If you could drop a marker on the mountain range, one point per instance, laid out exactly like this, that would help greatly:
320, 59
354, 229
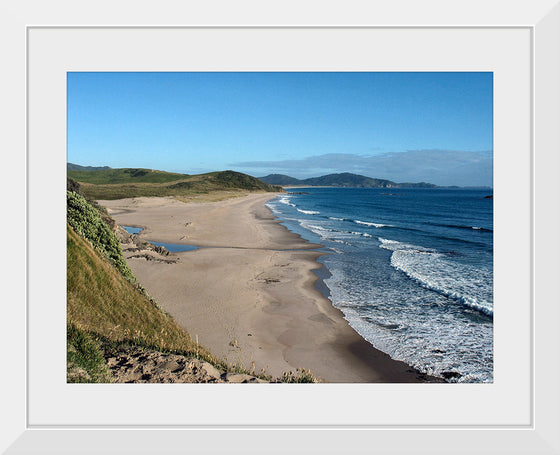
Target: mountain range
343, 180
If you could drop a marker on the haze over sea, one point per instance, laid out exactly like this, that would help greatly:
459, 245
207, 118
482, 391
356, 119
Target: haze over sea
411, 269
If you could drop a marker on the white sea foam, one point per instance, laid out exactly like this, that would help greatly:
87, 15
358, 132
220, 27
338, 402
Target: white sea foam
340, 241
412, 331
315, 227
367, 223
363, 234
308, 212
335, 218
327, 233
285, 200
319, 230
435, 271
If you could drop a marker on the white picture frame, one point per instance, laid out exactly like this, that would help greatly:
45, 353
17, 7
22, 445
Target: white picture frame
35, 417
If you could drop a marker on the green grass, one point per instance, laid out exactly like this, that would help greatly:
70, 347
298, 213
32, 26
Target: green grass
102, 302
124, 175
85, 359
110, 184
87, 221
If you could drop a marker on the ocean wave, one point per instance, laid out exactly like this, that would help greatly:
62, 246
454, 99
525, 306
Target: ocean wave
321, 231
394, 245
363, 234
318, 228
367, 223
429, 345
307, 212
333, 234
433, 270
285, 200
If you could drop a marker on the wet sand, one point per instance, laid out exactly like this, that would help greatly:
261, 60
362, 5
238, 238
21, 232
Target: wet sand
249, 294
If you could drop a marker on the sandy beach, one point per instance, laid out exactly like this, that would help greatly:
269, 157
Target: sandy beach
249, 293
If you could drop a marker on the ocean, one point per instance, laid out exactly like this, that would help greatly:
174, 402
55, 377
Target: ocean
411, 269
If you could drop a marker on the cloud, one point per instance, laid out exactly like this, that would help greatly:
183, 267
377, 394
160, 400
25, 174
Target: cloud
442, 167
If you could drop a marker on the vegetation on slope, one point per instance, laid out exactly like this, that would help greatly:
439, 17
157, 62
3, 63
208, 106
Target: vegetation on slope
125, 175
104, 306
104, 302
107, 309
125, 183
85, 360
87, 222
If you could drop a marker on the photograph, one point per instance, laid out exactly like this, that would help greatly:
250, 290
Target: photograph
355, 208
280, 227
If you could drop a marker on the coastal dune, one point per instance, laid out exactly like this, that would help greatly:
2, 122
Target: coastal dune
248, 293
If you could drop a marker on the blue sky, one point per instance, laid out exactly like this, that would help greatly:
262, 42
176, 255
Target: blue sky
434, 127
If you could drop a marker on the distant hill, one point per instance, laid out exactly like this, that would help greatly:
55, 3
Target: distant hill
77, 167
132, 182
279, 179
344, 180
108, 175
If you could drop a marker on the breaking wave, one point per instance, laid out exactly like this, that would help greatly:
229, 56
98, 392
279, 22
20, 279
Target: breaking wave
467, 285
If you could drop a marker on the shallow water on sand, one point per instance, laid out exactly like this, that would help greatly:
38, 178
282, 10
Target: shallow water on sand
173, 247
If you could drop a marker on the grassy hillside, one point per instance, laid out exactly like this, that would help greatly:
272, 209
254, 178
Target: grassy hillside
105, 305
125, 175
88, 222
125, 183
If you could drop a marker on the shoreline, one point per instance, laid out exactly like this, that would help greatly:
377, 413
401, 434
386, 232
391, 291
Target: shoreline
256, 297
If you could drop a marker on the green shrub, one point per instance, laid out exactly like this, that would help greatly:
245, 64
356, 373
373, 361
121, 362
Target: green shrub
85, 360
86, 220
